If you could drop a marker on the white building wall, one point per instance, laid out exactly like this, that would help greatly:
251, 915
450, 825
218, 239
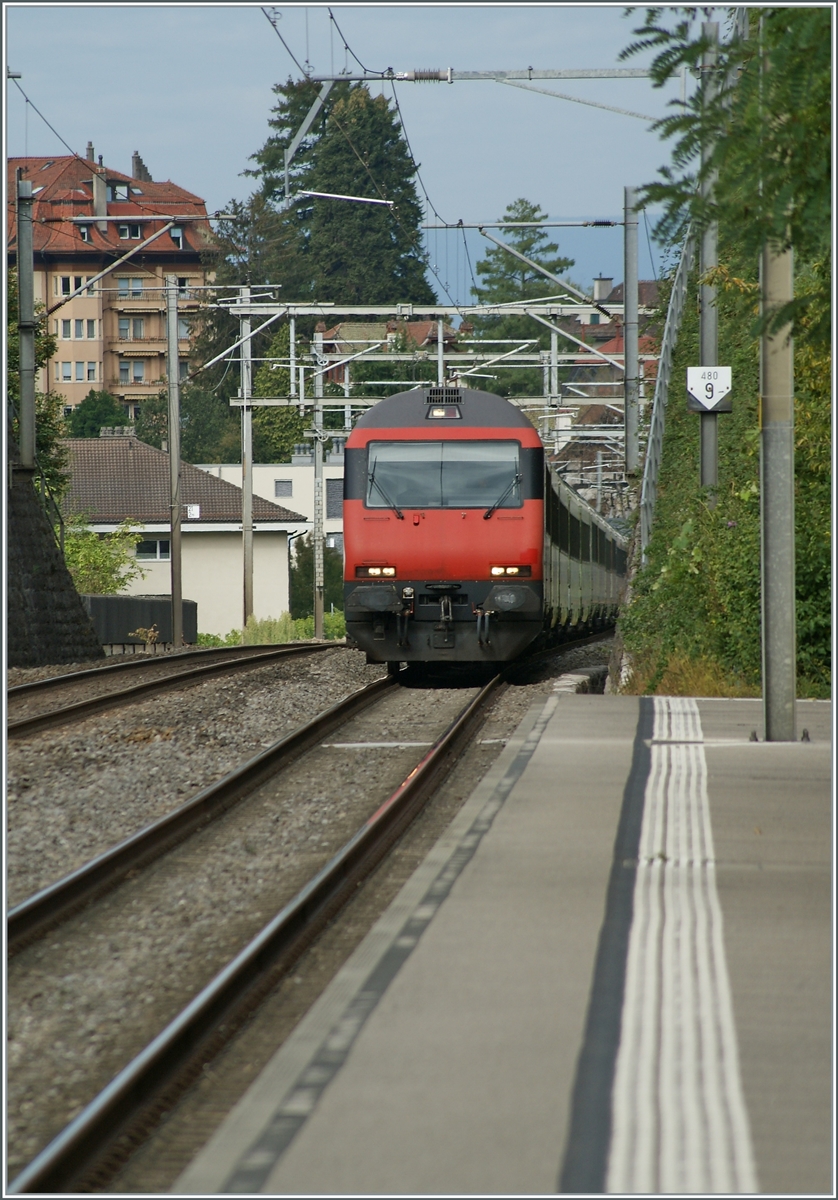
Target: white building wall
265, 476
213, 577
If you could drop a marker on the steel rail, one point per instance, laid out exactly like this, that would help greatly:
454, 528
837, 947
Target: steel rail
246, 979
137, 664
84, 708
55, 903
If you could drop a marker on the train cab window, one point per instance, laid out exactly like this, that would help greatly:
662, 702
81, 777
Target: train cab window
444, 475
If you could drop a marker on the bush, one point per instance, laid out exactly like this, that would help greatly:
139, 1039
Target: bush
101, 565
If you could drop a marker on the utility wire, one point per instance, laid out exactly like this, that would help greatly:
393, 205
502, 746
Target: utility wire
649, 241
346, 45
46, 122
302, 71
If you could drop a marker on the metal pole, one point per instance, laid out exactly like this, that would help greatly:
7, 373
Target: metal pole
247, 461
172, 370
779, 655
440, 353
599, 481
318, 492
630, 329
292, 323
708, 259
26, 323
554, 364
347, 408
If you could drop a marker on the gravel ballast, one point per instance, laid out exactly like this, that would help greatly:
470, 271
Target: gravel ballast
75, 792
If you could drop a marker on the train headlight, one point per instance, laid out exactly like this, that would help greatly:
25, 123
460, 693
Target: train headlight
498, 570
374, 572
521, 572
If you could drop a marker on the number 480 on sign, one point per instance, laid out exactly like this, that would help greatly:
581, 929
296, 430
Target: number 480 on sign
708, 389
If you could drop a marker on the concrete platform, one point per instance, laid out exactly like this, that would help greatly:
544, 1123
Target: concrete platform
612, 973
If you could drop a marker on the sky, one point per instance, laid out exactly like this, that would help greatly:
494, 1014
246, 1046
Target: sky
189, 87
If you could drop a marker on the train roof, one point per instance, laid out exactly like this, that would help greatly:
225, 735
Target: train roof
477, 409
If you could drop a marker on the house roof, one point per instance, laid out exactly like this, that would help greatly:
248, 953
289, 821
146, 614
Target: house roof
63, 189
423, 333
114, 478
648, 291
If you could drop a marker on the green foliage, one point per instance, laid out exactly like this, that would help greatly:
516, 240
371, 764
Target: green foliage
302, 578
277, 430
101, 565
210, 431
766, 134
698, 598
506, 278
96, 411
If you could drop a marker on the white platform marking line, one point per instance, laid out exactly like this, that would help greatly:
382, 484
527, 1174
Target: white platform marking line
679, 1122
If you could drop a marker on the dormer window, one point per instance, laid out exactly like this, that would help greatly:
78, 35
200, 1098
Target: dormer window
177, 236
130, 232
117, 191
84, 233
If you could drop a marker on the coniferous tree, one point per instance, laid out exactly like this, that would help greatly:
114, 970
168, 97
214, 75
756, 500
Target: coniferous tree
507, 279
366, 253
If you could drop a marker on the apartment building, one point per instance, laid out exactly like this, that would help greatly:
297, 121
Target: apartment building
86, 217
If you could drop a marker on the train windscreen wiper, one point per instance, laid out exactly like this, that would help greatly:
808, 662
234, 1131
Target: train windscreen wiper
516, 479
374, 483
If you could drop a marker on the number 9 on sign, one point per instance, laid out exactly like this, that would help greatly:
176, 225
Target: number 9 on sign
708, 389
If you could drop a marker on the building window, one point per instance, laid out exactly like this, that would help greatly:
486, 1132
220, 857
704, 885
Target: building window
183, 328
182, 284
65, 285
91, 372
183, 369
77, 282
66, 372
138, 327
153, 550
66, 326
139, 372
131, 232
79, 329
124, 371
84, 232
68, 410
283, 487
91, 329
124, 329
177, 237
334, 499
129, 287
80, 372
117, 191
595, 318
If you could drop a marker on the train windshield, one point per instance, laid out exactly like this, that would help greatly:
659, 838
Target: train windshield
444, 475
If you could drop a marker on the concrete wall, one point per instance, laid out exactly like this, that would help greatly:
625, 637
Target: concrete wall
213, 576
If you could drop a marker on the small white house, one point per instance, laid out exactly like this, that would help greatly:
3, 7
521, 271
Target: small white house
119, 477
293, 483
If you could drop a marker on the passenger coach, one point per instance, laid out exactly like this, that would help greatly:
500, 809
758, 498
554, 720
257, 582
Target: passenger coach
462, 543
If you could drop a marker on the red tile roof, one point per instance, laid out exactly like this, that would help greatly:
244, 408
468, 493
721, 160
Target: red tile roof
114, 478
63, 189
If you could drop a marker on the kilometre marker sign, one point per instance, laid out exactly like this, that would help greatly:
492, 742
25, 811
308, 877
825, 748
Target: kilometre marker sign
708, 387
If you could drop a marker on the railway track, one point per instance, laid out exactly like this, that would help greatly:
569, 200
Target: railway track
171, 1059
177, 671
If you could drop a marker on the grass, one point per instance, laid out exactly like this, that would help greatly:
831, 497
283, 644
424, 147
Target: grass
274, 631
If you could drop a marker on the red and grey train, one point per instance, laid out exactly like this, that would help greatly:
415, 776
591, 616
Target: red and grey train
462, 543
